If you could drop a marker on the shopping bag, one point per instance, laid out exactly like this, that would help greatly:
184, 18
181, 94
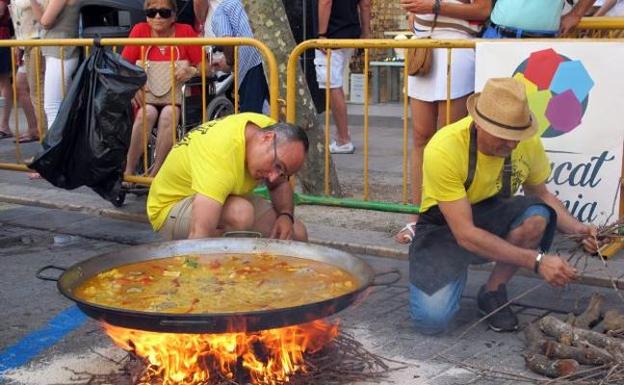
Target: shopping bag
87, 143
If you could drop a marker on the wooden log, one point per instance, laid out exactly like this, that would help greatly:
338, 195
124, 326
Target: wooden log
585, 355
540, 364
591, 313
613, 320
534, 338
575, 336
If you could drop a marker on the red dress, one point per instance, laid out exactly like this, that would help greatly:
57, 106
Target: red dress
192, 53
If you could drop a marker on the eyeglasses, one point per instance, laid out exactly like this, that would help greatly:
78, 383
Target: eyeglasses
278, 165
165, 13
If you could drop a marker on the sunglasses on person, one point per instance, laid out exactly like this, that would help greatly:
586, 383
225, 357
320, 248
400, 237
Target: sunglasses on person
165, 13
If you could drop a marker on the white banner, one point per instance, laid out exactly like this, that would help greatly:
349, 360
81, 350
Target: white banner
576, 90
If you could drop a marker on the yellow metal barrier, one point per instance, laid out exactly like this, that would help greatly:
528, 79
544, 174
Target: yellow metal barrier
270, 64
600, 28
366, 44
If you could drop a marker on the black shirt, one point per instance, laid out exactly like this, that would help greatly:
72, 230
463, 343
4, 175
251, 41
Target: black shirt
344, 20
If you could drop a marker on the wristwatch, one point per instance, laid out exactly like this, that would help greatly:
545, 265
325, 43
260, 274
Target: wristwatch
538, 260
324, 34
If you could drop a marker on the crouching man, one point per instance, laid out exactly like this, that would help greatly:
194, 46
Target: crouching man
469, 214
205, 185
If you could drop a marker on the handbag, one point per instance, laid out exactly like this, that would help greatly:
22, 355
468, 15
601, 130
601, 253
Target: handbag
420, 59
158, 87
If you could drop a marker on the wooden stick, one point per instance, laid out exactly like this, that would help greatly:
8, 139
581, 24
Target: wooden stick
586, 355
591, 313
534, 338
540, 364
575, 336
613, 320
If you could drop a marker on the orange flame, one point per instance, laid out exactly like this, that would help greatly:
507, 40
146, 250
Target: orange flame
267, 357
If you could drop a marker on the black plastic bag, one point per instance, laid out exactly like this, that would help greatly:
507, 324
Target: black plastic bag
88, 141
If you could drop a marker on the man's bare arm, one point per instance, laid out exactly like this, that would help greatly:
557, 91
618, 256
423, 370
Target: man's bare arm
324, 10
206, 213
282, 198
365, 16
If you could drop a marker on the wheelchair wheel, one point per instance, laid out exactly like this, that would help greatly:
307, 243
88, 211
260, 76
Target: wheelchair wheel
119, 200
219, 107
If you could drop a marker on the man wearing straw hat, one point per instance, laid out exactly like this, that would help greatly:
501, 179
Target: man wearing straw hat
469, 214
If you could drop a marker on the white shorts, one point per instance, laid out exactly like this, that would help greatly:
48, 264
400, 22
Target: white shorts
340, 59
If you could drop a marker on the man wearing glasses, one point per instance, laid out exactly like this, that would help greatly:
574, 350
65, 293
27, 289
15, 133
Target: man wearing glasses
205, 185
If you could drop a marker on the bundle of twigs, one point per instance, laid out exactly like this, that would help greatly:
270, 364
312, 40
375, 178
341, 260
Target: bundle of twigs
571, 352
343, 361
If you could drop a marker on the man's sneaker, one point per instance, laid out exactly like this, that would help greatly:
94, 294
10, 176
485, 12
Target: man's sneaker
503, 320
347, 148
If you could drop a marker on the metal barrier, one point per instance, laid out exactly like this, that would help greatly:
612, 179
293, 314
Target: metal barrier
269, 61
588, 28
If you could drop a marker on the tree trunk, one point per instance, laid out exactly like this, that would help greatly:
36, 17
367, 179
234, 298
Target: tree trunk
270, 25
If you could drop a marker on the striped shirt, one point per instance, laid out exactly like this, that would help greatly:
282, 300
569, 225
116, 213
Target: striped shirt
230, 19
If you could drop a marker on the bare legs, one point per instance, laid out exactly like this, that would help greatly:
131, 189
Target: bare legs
239, 214
427, 118
339, 112
23, 95
164, 136
527, 235
7, 92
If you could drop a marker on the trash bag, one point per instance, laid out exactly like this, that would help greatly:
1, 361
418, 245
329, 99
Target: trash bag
88, 141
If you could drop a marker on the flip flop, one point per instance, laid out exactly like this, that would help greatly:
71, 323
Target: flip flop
4, 135
27, 138
409, 231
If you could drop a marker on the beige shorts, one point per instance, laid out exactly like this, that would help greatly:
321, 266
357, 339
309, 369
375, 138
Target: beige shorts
178, 223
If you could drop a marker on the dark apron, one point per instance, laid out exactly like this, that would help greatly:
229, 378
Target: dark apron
435, 258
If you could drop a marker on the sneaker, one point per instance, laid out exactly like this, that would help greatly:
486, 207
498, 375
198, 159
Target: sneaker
503, 320
347, 148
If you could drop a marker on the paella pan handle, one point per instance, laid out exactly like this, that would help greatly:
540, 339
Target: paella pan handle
43, 277
393, 280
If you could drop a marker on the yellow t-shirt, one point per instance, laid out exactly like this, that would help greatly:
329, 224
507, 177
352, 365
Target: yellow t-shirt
445, 167
209, 160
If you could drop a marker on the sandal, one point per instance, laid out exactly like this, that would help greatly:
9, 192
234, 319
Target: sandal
27, 138
406, 234
4, 135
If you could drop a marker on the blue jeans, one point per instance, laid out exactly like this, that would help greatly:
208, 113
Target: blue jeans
433, 313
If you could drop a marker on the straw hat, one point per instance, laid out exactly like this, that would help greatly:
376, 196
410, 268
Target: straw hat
502, 110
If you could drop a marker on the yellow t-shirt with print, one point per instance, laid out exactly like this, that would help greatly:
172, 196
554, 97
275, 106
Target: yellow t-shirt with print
209, 160
445, 167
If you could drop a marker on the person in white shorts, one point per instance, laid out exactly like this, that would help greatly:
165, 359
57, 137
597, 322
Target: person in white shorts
344, 19
454, 19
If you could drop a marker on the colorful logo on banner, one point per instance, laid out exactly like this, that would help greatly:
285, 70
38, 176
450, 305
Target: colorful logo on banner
558, 90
